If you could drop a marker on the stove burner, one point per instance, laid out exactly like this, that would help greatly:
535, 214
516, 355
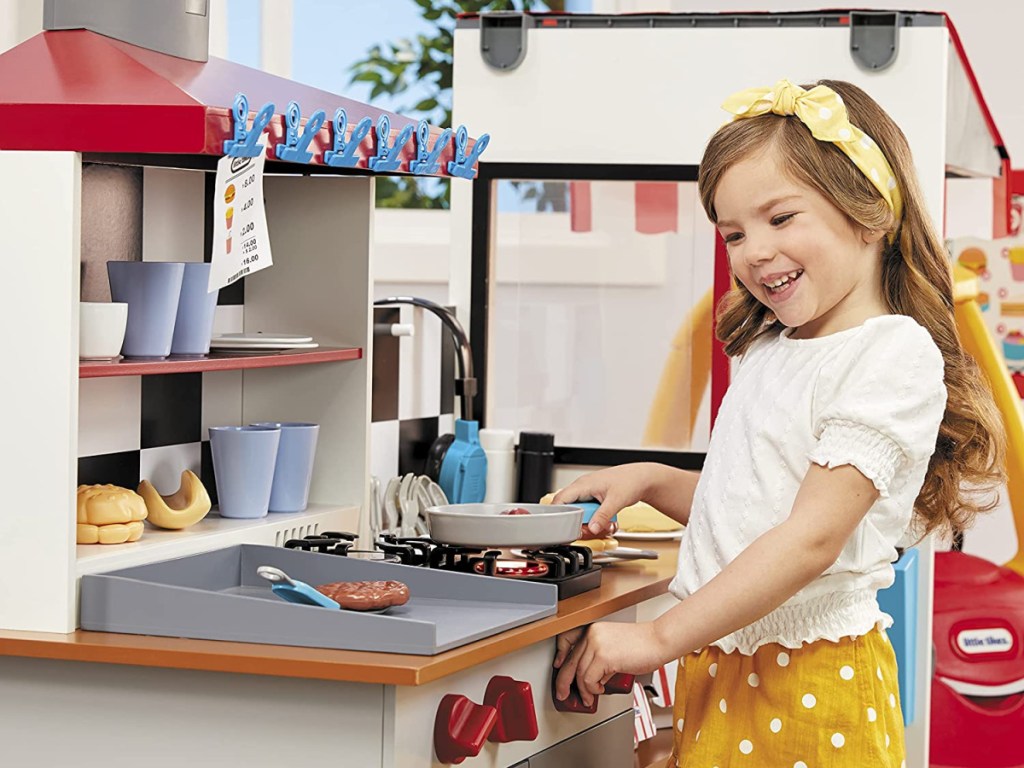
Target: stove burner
328, 542
512, 569
566, 559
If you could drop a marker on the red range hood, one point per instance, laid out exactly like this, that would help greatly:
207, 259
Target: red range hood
81, 91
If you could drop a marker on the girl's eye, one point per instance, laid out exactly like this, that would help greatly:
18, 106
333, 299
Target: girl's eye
733, 237
779, 220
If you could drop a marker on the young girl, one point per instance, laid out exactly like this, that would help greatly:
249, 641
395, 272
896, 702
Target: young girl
852, 421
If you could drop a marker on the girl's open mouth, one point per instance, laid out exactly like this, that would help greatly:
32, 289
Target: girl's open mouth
783, 286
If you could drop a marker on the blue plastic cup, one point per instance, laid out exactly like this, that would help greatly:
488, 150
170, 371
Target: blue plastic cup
193, 325
294, 470
243, 465
151, 290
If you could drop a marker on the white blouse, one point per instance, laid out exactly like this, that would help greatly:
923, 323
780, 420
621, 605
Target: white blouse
872, 397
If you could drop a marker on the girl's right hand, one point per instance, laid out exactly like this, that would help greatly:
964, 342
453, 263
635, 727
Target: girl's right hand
615, 487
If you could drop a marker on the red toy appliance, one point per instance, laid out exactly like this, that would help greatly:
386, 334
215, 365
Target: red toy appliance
978, 687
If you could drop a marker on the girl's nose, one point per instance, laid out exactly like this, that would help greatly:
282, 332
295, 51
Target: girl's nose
757, 250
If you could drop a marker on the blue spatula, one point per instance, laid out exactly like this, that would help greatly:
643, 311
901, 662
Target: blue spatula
294, 591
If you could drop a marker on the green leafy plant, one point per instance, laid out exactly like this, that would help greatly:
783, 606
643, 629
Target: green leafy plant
425, 62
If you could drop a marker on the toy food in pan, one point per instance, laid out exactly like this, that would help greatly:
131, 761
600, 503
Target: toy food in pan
490, 525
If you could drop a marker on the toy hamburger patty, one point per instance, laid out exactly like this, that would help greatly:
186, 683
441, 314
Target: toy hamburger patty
366, 595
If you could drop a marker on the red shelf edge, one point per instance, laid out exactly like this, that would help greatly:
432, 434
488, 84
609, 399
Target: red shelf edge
87, 370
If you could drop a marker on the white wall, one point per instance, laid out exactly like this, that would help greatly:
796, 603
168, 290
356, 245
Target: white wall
19, 20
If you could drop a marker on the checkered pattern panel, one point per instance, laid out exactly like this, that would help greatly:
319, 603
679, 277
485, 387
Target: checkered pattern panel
413, 391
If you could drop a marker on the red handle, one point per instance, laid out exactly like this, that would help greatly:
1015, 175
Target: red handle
572, 702
620, 683
517, 717
461, 728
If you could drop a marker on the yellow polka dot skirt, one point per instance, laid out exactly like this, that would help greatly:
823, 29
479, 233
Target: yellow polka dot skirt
824, 705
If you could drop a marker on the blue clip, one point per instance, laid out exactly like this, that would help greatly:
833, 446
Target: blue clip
246, 142
426, 159
462, 166
388, 158
344, 153
294, 147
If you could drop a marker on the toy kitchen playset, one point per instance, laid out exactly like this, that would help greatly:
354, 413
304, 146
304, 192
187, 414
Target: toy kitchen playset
112, 129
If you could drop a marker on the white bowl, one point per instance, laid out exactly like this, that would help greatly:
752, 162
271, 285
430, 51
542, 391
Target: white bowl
101, 327
483, 525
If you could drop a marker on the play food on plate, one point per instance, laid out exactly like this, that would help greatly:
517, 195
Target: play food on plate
186, 506
643, 518
109, 514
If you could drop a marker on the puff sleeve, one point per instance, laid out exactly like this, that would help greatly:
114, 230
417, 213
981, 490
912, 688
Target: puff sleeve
880, 401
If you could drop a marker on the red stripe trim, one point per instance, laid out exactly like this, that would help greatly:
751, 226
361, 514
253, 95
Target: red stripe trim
955, 37
657, 207
1001, 196
719, 360
581, 212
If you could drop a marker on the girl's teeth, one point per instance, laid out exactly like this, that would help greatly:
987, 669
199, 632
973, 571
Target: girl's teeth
783, 280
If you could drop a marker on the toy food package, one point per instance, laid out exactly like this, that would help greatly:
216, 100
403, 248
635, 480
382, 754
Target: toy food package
999, 267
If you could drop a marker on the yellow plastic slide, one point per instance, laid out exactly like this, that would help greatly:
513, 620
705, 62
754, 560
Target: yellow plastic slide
683, 380
977, 340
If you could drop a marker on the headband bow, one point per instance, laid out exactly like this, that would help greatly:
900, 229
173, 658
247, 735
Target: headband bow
822, 110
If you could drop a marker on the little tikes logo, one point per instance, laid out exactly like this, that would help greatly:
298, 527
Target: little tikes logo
238, 163
986, 640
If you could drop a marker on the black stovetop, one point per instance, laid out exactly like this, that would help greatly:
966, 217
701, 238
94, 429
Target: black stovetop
570, 568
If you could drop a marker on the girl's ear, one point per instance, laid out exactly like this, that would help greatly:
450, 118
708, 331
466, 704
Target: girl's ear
872, 236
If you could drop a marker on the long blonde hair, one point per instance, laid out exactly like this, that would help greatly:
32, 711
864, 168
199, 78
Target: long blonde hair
916, 281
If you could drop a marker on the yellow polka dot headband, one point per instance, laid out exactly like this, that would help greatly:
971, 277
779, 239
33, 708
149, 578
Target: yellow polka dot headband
822, 110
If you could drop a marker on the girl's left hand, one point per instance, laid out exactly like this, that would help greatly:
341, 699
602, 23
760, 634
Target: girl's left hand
606, 649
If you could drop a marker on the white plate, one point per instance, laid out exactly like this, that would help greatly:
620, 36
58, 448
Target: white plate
650, 535
259, 337
229, 347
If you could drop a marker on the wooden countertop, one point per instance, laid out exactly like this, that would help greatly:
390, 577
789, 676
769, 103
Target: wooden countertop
622, 586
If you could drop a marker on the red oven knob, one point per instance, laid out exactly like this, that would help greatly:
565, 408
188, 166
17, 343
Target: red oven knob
620, 683
517, 717
572, 702
461, 728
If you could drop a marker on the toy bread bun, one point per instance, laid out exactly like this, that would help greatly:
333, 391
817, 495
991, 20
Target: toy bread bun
598, 545
108, 514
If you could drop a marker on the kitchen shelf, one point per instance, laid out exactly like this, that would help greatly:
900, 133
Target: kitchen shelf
217, 362
213, 532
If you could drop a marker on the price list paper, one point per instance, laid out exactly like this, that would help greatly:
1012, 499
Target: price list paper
240, 242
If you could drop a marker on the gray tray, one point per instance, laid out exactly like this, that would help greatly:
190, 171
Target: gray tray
218, 596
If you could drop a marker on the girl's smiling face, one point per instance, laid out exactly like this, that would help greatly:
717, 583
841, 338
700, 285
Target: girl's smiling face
798, 254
